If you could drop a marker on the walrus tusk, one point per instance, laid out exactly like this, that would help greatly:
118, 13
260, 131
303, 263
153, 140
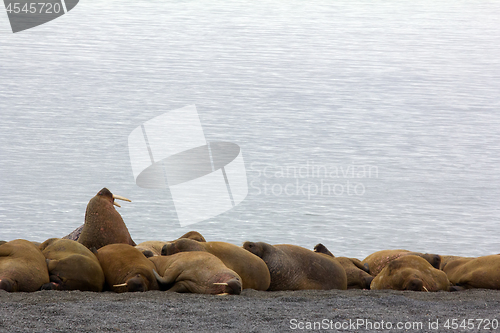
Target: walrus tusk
221, 283
120, 285
223, 294
119, 197
114, 203
425, 288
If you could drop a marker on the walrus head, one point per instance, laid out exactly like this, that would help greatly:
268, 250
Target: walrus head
231, 287
433, 259
255, 248
414, 284
135, 283
169, 249
111, 197
8, 285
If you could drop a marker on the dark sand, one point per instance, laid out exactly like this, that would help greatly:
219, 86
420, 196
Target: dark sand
253, 311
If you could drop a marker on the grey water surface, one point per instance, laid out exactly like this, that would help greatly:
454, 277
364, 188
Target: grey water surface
364, 125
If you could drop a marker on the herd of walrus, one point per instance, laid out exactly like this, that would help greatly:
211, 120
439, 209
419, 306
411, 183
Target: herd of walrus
101, 256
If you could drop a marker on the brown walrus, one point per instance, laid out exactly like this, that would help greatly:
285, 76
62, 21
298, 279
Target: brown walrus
71, 266
22, 266
126, 268
103, 224
252, 269
294, 268
194, 235
411, 272
75, 234
480, 272
357, 274
196, 272
153, 248
445, 260
377, 260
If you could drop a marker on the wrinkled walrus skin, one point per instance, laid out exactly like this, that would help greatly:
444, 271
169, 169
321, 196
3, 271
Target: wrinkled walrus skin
296, 268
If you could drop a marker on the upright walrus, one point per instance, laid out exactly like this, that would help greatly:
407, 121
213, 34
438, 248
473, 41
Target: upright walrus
295, 268
22, 266
126, 268
71, 266
103, 224
252, 269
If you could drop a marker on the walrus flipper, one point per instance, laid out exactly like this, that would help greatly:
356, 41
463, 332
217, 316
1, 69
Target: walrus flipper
320, 248
165, 282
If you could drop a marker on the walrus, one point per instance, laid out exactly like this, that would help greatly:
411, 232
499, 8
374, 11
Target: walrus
445, 260
194, 235
75, 234
377, 260
126, 268
103, 224
480, 272
252, 269
196, 272
71, 266
153, 248
411, 272
357, 274
295, 268
22, 266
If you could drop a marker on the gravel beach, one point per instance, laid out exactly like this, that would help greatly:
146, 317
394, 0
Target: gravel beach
252, 311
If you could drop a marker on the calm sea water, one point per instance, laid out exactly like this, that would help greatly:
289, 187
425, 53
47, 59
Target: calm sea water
393, 107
